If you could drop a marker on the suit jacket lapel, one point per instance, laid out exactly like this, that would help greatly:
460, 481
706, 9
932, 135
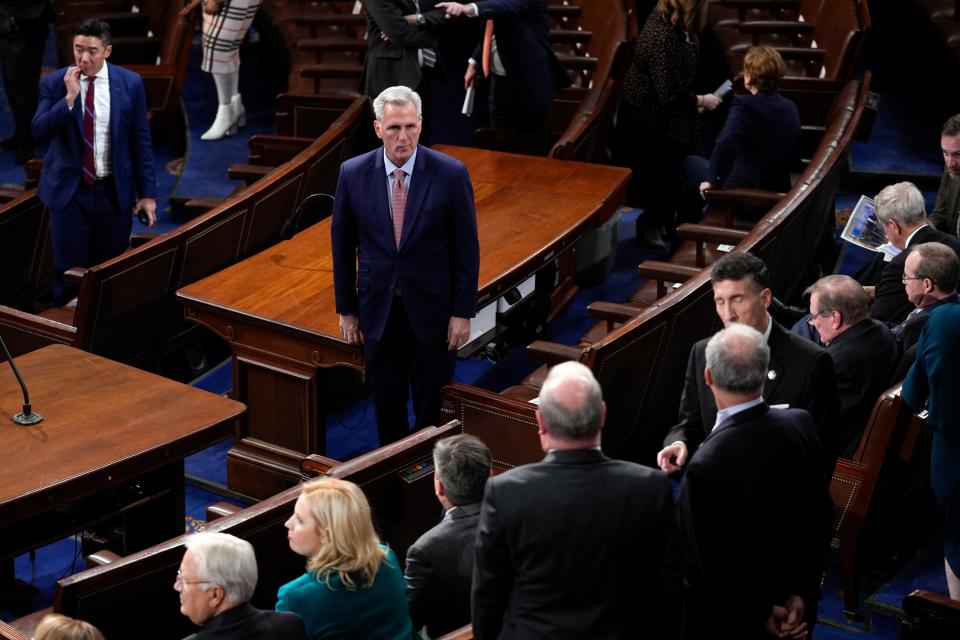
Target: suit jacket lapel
777, 367
116, 98
419, 185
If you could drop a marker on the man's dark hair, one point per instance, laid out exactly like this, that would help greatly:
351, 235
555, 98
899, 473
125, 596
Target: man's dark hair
737, 266
94, 28
462, 464
952, 126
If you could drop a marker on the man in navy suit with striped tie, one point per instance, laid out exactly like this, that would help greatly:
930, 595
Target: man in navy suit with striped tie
98, 169
405, 264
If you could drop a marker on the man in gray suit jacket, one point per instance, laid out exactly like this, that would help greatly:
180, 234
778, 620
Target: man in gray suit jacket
440, 563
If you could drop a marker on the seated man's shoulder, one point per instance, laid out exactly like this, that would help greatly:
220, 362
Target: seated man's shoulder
285, 622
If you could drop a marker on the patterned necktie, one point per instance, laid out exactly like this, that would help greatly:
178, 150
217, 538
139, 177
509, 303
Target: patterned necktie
399, 203
89, 168
487, 48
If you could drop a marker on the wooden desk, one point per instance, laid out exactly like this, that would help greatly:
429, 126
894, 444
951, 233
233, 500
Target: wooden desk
276, 309
112, 441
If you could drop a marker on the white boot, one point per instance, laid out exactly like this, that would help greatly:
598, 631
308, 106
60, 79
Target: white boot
223, 125
239, 113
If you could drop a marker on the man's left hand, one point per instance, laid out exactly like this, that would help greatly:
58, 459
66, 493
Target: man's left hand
458, 331
149, 207
704, 186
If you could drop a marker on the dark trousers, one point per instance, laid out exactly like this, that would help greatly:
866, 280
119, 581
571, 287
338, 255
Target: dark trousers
89, 230
21, 55
398, 364
508, 109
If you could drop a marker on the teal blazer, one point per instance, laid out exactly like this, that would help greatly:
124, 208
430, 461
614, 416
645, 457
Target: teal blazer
378, 612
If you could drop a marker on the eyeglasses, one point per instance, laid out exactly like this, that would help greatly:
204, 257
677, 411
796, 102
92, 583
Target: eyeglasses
179, 582
821, 314
905, 277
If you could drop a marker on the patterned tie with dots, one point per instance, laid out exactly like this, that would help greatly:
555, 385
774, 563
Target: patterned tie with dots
399, 203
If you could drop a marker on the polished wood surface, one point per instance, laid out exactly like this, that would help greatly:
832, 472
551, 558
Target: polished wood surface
276, 309
528, 209
104, 423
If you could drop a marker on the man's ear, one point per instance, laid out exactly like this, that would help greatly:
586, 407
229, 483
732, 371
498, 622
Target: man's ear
107, 51
707, 376
541, 426
376, 129
603, 414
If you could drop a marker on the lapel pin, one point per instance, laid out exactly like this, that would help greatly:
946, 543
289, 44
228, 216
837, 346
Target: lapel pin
771, 375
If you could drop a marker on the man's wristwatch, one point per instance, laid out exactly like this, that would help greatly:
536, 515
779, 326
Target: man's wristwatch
421, 20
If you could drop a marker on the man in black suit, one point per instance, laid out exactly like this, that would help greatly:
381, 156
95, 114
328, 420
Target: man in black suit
902, 212
578, 545
440, 562
864, 351
401, 48
517, 56
801, 373
216, 580
754, 509
946, 210
930, 276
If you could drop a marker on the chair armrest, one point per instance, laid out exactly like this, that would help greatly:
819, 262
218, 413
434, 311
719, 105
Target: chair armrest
74, 276
101, 558
221, 510
775, 26
552, 353
271, 150
316, 465
664, 272
707, 233
29, 331
613, 311
141, 238
802, 53
742, 198
248, 173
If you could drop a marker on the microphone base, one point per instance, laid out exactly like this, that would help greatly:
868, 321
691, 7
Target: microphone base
26, 420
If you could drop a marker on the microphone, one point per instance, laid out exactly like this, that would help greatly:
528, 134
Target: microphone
313, 203
27, 417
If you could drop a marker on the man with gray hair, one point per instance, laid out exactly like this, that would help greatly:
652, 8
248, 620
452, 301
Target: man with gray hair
440, 563
902, 212
216, 580
578, 545
753, 564
406, 259
864, 351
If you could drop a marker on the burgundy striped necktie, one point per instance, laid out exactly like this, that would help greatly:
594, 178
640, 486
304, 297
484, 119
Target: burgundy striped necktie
399, 204
89, 116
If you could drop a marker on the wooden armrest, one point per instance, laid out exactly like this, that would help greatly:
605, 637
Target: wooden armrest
742, 198
613, 311
141, 238
221, 510
801, 53
202, 204
102, 557
316, 465
271, 150
6, 194
775, 26
31, 331
552, 353
708, 233
248, 173
666, 271
74, 276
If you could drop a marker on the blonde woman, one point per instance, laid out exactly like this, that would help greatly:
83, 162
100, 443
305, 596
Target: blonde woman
57, 627
353, 586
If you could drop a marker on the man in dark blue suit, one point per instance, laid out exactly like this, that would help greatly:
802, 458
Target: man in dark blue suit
405, 264
99, 165
754, 509
526, 74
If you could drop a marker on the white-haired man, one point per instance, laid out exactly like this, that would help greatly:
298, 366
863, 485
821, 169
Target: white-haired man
215, 581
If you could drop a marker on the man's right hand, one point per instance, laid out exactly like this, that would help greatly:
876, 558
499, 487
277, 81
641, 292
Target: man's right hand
350, 328
470, 78
71, 80
454, 9
672, 457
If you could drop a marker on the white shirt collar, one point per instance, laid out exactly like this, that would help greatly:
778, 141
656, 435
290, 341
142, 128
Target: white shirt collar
390, 167
103, 74
723, 414
910, 237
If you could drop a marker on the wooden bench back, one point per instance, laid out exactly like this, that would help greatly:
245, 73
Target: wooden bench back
929, 616
114, 596
24, 227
